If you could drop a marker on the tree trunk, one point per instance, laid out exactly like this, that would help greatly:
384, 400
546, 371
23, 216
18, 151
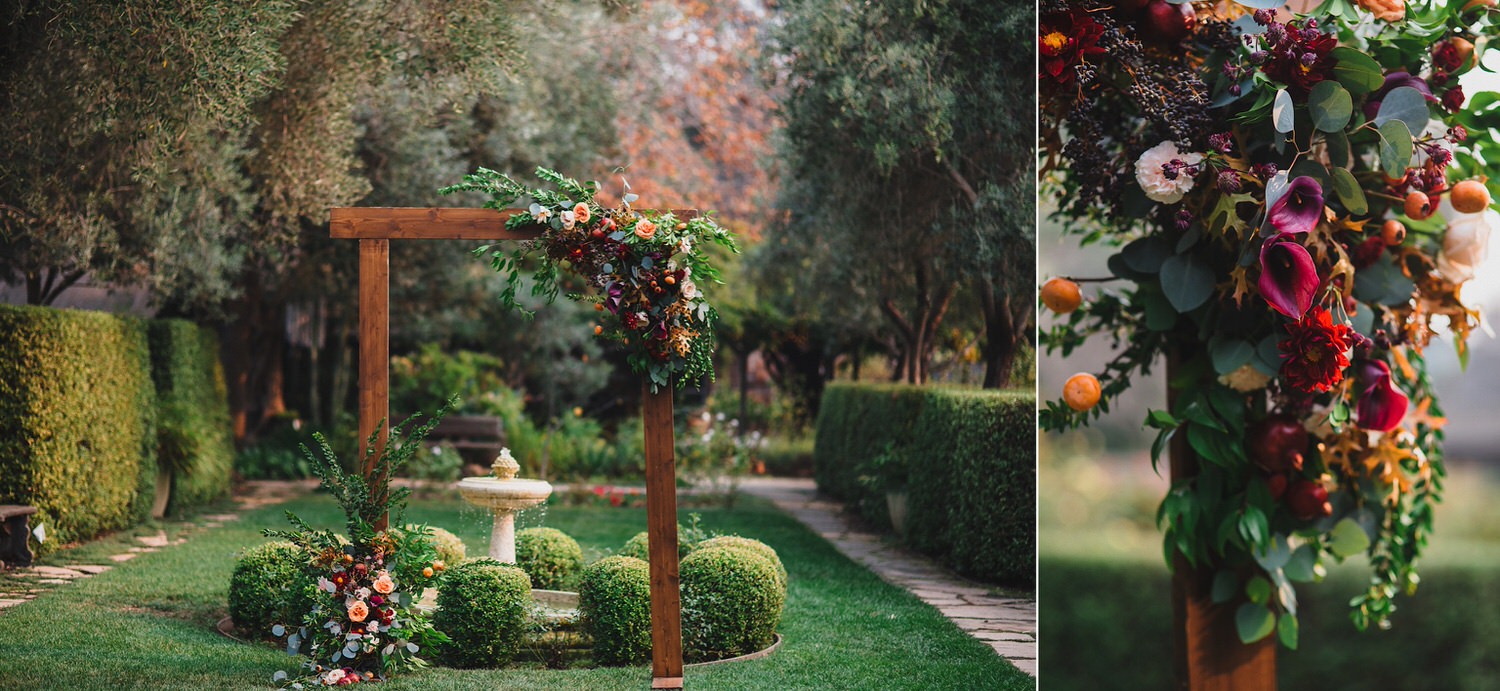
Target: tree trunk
253, 354
1004, 328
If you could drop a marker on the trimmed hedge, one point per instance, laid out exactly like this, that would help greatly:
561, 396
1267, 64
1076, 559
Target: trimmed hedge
970, 465
272, 584
548, 556
77, 420
194, 441
614, 605
483, 607
731, 602
750, 545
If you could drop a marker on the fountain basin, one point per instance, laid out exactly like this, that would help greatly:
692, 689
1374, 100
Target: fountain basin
511, 494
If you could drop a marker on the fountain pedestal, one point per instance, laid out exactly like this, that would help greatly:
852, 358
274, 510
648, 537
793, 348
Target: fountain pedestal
504, 494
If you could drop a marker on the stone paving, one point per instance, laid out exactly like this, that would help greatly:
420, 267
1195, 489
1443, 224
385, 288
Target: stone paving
24, 584
1007, 624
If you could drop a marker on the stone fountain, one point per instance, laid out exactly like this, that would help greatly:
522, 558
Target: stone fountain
504, 495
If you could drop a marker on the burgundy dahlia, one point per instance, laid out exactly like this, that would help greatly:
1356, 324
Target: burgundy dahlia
1066, 39
1315, 354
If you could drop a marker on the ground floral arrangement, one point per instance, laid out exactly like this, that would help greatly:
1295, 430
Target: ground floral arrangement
645, 266
363, 625
1298, 199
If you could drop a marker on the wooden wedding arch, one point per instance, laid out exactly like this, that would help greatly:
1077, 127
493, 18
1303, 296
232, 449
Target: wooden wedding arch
375, 228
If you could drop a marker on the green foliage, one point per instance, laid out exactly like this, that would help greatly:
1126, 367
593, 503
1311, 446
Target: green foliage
731, 602
270, 586
445, 545
548, 556
614, 602
193, 435
433, 374
77, 420
749, 545
688, 538
971, 485
483, 607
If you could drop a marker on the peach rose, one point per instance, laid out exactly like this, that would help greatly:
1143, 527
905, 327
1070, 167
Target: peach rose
384, 585
358, 610
645, 229
581, 212
1387, 10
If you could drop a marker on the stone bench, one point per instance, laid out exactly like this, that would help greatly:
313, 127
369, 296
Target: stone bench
15, 531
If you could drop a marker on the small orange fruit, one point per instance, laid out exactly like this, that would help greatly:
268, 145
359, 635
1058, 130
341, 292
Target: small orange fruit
1470, 197
670, 279
427, 572
1464, 48
1081, 391
1418, 206
1393, 232
1061, 295
598, 329
598, 307
1483, 4
439, 565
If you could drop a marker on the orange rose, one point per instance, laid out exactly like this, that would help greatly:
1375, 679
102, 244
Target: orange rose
384, 585
581, 212
1387, 10
358, 610
645, 229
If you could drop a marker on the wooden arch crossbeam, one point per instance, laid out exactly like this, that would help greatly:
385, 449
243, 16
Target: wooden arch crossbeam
375, 228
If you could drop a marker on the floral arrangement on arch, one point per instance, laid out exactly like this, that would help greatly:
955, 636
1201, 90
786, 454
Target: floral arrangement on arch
1297, 200
645, 266
364, 624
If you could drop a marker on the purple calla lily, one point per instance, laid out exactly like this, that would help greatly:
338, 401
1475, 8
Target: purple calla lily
612, 297
1381, 406
1300, 208
1288, 277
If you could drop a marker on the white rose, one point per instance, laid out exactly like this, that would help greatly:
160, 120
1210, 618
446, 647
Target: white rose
1466, 241
1149, 173
334, 676
689, 289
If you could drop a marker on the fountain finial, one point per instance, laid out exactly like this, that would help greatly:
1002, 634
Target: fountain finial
505, 466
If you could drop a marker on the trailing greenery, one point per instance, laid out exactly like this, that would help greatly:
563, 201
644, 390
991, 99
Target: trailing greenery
614, 603
194, 442
270, 586
731, 602
483, 607
77, 420
548, 556
449, 547
965, 458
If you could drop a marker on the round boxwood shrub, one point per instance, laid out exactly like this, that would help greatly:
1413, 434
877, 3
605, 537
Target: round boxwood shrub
749, 544
271, 585
637, 547
731, 602
483, 607
687, 539
614, 604
548, 555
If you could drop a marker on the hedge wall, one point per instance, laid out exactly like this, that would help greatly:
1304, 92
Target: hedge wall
194, 441
970, 466
77, 420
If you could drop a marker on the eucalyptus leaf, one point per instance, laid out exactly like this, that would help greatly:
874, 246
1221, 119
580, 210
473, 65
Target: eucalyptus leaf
1276, 555
1262, 4
1406, 104
1338, 147
1186, 282
1382, 283
1356, 71
1350, 194
1347, 539
1302, 566
1286, 630
1229, 354
1258, 590
1268, 355
1330, 106
1253, 622
1145, 255
1395, 147
1283, 113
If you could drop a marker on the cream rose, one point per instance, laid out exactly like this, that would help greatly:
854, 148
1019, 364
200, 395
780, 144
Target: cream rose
1466, 242
1149, 173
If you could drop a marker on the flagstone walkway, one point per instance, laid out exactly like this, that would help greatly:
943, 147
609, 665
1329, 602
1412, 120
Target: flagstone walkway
1007, 624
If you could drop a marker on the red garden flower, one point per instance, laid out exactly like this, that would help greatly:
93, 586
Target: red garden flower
1299, 56
1313, 358
1064, 40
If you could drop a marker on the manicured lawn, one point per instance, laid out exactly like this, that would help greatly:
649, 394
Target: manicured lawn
148, 623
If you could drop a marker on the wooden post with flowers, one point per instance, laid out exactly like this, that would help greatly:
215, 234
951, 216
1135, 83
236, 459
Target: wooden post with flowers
376, 227
1297, 201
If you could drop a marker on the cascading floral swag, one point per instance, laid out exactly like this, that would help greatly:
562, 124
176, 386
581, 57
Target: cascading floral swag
647, 268
1298, 200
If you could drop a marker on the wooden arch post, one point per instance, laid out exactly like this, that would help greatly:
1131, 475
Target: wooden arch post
1206, 649
374, 228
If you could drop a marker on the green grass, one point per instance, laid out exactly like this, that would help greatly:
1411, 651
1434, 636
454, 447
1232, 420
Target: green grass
148, 623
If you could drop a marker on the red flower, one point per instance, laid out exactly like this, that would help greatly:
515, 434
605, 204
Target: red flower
1302, 58
1381, 406
1454, 99
1314, 357
1064, 40
616, 498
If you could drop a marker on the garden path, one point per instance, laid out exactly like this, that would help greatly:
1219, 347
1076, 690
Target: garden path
1007, 624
